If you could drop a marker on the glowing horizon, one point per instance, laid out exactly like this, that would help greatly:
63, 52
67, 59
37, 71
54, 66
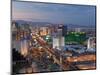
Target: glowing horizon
54, 13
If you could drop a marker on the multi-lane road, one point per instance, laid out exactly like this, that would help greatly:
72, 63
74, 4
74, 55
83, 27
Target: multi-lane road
66, 62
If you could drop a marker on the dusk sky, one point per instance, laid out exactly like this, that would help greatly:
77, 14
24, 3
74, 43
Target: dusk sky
53, 13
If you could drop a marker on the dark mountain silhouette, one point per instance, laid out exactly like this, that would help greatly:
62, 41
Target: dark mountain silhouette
21, 22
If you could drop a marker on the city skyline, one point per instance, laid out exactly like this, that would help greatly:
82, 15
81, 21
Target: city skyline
48, 37
54, 13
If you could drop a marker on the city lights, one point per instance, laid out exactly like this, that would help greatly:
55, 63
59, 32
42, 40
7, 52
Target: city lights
49, 38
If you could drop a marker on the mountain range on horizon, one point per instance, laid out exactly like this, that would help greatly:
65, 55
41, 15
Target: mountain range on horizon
22, 22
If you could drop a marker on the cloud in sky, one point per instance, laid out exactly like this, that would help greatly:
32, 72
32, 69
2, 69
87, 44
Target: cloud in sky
54, 13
